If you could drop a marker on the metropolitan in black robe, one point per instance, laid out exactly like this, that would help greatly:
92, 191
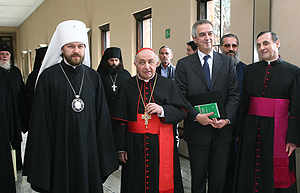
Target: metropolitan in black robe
69, 151
141, 172
7, 135
254, 168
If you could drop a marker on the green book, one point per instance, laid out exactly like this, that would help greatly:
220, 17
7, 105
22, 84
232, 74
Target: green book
208, 108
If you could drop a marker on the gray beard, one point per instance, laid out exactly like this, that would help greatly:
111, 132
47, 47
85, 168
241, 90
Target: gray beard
5, 64
236, 58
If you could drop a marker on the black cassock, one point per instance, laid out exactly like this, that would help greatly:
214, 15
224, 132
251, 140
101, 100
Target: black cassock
107, 83
142, 169
254, 169
8, 133
19, 96
69, 151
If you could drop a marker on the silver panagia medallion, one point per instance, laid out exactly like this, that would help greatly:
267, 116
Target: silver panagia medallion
77, 104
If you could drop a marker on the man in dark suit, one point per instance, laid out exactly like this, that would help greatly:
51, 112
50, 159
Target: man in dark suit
208, 139
166, 68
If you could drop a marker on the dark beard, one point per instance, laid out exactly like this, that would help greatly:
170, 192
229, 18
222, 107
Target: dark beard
70, 61
112, 70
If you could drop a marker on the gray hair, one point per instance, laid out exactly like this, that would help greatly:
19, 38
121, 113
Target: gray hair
200, 22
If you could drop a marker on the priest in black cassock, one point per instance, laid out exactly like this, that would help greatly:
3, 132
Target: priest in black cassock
112, 73
19, 97
147, 106
8, 133
70, 146
268, 122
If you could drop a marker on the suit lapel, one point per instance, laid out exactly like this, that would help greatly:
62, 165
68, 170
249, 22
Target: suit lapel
198, 69
158, 69
217, 65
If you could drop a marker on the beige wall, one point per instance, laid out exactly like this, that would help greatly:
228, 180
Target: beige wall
241, 24
285, 22
176, 15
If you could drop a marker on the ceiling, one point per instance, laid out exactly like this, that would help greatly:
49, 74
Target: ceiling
14, 12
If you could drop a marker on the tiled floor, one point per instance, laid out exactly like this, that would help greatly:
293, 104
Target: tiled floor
112, 184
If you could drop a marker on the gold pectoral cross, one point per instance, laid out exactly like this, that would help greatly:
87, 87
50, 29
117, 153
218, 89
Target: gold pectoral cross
146, 117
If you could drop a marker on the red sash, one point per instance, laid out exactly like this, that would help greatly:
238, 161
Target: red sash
166, 148
277, 108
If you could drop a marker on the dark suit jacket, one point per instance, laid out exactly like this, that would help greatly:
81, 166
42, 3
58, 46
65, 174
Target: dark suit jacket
171, 73
191, 79
240, 74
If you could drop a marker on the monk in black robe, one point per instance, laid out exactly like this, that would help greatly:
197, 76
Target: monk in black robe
30, 83
146, 107
19, 97
7, 135
70, 146
112, 74
268, 122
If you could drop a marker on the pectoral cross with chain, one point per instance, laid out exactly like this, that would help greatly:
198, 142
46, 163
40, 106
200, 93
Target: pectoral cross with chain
114, 87
146, 116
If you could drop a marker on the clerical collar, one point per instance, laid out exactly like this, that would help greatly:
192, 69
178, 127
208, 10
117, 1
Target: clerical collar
71, 65
201, 54
269, 62
144, 79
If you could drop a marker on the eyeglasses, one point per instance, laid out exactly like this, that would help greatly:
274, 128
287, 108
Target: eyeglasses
228, 45
4, 54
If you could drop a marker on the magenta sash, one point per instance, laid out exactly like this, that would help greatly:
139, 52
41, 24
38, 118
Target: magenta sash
277, 108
